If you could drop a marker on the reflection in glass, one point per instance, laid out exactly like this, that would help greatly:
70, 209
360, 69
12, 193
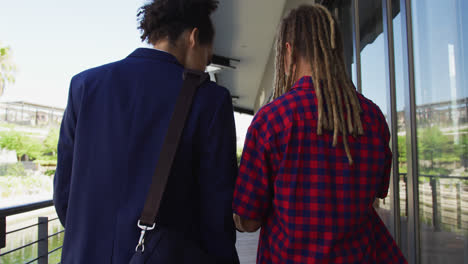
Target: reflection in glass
374, 75
401, 137
344, 13
440, 37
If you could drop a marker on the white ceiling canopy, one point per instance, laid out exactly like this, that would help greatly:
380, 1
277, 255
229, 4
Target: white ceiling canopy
245, 34
245, 31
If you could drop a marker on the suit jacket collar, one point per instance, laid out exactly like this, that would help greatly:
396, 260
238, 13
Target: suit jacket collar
154, 54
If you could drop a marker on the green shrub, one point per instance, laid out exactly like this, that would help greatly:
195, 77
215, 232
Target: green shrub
447, 159
402, 148
435, 171
22, 144
49, 172
15, 169
51, 142
239, 155
403, 168
35, 149
47, 162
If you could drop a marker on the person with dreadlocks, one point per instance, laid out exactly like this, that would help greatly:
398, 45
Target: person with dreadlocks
316, 157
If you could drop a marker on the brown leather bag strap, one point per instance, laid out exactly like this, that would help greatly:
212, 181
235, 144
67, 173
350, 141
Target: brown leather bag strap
192, 80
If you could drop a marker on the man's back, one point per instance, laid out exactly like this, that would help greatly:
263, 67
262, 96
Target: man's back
318, 207
113, 128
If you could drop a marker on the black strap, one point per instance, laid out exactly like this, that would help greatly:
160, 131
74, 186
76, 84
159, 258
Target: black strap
192, 80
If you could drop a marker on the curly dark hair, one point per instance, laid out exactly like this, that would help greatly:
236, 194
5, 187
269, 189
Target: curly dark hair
162, 19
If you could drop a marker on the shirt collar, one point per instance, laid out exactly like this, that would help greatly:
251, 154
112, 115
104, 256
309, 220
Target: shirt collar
304, 82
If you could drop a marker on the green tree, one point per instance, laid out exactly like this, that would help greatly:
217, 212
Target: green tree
51, 142
434, 144
22, 144
7, 68
462, 150
402, 148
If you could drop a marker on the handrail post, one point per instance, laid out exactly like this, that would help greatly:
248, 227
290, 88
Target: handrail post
2, 232
459, 209
405, 179
435, 206
43, 244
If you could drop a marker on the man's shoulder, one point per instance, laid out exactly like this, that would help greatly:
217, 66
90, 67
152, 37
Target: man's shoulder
214, 89
95, 72
213, 93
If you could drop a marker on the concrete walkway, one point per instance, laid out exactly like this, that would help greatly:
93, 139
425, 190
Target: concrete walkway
246, 245
437, 247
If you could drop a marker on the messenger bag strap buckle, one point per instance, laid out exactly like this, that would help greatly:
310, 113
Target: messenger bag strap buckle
141, 241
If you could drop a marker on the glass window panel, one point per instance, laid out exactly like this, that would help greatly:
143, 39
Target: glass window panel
401, 137
344, 13
374, 75
440, 38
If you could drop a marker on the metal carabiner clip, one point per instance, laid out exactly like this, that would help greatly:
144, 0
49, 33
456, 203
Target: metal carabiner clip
141, 241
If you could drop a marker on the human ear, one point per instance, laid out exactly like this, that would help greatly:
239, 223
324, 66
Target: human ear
288, 49
193, 39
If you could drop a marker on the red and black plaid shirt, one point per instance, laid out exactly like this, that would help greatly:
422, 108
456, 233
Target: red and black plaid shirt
316, 208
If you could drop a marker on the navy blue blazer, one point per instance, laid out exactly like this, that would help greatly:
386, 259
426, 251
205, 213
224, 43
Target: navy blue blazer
112, 131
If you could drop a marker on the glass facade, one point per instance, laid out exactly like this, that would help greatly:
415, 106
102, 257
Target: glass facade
411, 58
373, 77
401, 133
440, 31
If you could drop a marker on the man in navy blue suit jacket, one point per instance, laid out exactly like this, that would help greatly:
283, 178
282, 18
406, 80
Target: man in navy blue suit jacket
113, 129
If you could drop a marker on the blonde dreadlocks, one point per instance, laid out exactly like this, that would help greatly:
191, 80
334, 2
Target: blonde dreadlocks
313, 34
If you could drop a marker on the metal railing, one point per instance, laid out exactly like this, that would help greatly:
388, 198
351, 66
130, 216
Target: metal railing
439, 205
43, 237
42, 225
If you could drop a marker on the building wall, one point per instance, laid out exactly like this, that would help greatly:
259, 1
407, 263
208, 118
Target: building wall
427, 207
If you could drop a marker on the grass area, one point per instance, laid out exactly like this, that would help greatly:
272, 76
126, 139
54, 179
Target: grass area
239, 155
12, 186
7, 125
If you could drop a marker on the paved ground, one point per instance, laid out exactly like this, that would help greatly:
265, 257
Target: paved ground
437, 247
247, 247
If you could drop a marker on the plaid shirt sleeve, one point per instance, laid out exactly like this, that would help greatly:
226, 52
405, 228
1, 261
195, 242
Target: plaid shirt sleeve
382, 192
252, 195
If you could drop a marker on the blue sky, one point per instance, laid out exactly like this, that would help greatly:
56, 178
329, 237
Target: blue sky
52, 40
374, 74
374, 71
437, 25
